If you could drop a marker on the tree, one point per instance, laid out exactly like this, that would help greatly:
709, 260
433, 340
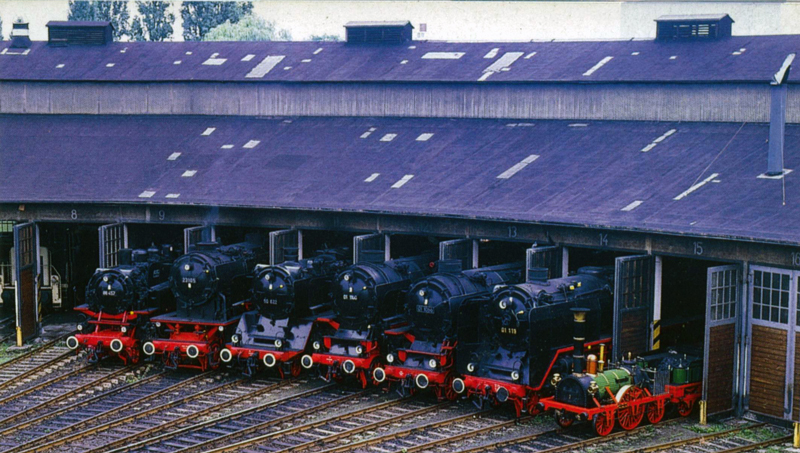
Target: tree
154, 22
249, 28
325, 37
115, 12
200, 17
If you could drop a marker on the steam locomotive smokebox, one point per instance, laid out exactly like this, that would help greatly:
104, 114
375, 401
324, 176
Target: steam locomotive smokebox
125, 257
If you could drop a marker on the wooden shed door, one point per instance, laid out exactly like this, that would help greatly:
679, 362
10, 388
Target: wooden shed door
723, 304
112, 238
633, 305
547, 257
465, 250
773, 318
26, 261
193, 235
283, 241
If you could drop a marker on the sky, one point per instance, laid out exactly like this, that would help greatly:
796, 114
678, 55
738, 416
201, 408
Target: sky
471, 20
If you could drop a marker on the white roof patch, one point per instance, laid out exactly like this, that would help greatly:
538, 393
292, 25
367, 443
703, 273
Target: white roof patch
402, 181
443, 55
59, 66
517, 167
425, 137
251, 144
215, 61
147, 194
492, 53
172, 195
174, 156
632, 206
110, 65
372, 177
318, 51
388, 137
189, 173
264, 67
227, 146
209, 131
248, 57
176, 62
597, 66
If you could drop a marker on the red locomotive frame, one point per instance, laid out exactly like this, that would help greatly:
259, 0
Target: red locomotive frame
629, 412
191, 343
440, 380
523, 397
113, 335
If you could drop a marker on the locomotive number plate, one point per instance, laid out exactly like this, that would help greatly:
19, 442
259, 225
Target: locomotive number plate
508, 330
271, 301
424, 309
189, 280
349, 297
109, 293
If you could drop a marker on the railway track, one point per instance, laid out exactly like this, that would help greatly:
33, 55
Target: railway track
735, 440
304, 434
25, 365
154, 416
62, 386
70, 414
248, 421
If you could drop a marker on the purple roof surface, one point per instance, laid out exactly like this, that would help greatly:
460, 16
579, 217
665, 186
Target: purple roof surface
684, 178
739, 58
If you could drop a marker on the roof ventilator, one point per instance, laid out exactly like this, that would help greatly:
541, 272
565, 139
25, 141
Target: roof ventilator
20, 35
777, 118
79, 33
379, 32
703, 26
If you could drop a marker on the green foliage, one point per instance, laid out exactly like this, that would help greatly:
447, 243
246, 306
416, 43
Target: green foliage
200, 17
154, 22
115, 12
249, 28
325, 37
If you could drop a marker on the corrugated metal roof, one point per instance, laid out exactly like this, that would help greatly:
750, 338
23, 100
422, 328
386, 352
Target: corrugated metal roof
741, 58
701, 179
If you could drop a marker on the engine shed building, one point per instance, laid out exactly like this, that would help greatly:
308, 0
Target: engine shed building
671, 159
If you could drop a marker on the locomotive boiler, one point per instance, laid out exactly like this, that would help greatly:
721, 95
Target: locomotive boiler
211, 286
511, 343
288, 298
368, 298
423, 353
120, 302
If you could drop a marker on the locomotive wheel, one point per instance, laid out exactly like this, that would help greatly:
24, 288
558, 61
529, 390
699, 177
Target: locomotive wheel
447, 392
629, 413
685, 409
655, 411
603, 423
564, 419
296, 368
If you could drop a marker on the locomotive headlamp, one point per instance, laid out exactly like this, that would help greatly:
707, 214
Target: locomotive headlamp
79, 327
346, 277
316, 345
515, 375
390, 358
471, 367
579, 284
123, 329
270, 286
158, 324
432, 364
593, 388
278, 343
422, 293
503, 304
572, 287
109, 287
425, 301
221, 328
187, 267
360, 349
105, 278
555, 379
235, 338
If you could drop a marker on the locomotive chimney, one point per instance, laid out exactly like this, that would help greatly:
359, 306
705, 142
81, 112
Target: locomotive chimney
578, 339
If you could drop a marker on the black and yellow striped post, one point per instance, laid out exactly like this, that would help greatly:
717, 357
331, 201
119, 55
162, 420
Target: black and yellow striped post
656, 334
796, 437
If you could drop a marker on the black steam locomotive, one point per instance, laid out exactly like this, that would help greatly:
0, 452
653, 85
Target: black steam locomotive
368, 298
120, 302
288, 298
511, 343
211, 286
423, 354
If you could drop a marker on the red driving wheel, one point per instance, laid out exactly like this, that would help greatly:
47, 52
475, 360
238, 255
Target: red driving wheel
564, 419
655, 411
685, 409
629, 412
603, 423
